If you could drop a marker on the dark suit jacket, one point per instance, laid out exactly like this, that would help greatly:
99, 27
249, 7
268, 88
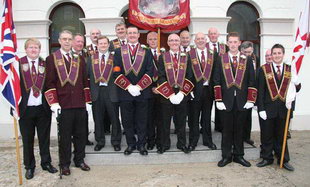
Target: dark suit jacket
162, 77
94, 87
228, 94
25, 95
146, 68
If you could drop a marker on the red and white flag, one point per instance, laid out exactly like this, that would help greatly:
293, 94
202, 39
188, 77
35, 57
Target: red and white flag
9, 66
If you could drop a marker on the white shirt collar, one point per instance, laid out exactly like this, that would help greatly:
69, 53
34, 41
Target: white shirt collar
36, 60
172, 53
275, 66
65, 53
230, 56
106, 54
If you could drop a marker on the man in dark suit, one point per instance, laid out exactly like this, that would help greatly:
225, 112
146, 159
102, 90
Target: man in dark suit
133, 69
274, 80
247, 49
68, 92
174, 79
218, 49
34, 110
235, 92
104, 94
92, 48
120, 30
77, 48
203, 68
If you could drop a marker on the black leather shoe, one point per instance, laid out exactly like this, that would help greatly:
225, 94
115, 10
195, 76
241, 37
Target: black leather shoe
264, 163
89, 143
150, 146
211, 146
249, 141
184, 149
191, 148
161, 150
29, 174
224, 162
129, 150
50, 168
65, 171
288, 166
84, 167
98, 147
117, 147
143, 151
242, 161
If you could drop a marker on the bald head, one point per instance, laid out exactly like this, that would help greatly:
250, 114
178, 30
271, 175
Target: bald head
185, 38
94, 34
200, 40
174, 42
268, 56
213, 34
151, 40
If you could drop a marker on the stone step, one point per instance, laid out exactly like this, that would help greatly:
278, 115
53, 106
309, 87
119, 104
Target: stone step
107, 156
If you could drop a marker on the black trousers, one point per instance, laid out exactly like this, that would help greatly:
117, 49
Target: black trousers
72, 126
134, 117
35, 118
272, 132
218, 126
179, 112
153, 120
233, 123
247, 125
100, 107
202, 107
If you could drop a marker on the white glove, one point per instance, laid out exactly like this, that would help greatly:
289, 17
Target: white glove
88, 107
288, 105
180, 97
263, 115
255, 108
192, 95
248, 105
134, 90
220, 106
173, 99
55, 108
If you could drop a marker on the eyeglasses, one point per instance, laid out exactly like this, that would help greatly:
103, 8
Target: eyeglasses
173, 40
66, 39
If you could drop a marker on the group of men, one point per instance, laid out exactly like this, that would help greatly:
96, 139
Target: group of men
150, 87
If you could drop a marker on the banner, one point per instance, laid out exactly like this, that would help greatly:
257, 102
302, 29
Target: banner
168, 15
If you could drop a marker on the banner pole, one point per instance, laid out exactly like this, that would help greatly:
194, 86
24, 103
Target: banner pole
285, 137
158, 39
18, 153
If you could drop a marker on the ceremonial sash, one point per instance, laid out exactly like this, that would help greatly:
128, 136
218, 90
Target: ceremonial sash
90, 50
222, 49
175, 79
116, 43
232, 80
197, 68
105, 75
136, 65
29, 83
63, 74
274, 91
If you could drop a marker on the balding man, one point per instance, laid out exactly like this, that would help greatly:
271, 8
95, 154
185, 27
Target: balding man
174, 75
92, 48
185, 41
218, 49
268, 56
203, 68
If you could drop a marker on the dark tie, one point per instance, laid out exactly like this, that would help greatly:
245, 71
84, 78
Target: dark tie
34, 77
102, 63
214, 48
69, 58
123, 42
184, 48
203, 60
235, 62
155, 55
133, 50
96, 48
175, 62
278, 72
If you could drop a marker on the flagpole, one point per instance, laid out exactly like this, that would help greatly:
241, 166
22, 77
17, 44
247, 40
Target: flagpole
18, 153
285, 137
158, 39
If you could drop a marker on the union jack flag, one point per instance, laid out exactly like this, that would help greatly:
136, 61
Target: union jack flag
9, 68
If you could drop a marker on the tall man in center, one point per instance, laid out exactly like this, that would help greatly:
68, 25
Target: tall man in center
133, 69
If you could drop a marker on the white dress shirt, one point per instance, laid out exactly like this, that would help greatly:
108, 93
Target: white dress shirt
206, 60
32, 100
106, 57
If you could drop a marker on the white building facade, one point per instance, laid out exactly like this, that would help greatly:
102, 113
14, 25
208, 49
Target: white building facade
277, 21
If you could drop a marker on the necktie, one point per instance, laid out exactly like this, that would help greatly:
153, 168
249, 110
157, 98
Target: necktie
175, 62
123, 42
184, 49
235, 62
133, 50
34, 77
155, 55
96, 48
214, 48
278, 72
102, 63
69, 58
203, 60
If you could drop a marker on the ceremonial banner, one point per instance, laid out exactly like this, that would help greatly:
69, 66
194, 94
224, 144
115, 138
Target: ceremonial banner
168, 15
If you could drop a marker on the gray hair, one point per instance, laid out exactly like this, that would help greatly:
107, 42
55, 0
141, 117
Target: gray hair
246, 44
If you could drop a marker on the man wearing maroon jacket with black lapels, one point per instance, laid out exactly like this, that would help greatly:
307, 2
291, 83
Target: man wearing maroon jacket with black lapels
68, 92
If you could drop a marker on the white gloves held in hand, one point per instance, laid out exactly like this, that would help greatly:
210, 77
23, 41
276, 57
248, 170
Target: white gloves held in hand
263, 115
88, 107
134, 90
248, 105
220, 106
176, 99
55, 108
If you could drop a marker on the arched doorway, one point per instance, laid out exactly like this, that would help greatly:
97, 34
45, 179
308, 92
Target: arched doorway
65, 16
244, 20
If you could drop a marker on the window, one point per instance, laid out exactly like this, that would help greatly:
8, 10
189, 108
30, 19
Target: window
65, 17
